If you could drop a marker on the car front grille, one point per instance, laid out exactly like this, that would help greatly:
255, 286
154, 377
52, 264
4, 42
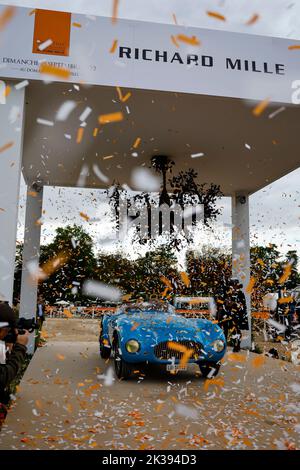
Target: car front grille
163, 351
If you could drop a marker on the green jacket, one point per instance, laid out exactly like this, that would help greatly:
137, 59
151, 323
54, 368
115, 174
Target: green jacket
9, 371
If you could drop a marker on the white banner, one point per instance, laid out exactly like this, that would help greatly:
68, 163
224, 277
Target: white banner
150, 56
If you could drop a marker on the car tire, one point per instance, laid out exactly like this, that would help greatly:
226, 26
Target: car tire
105, 351
206, 369
123, 369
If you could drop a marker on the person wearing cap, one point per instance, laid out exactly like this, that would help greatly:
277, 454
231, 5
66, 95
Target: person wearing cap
10, 363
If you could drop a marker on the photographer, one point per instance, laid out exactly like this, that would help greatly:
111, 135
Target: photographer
12, 354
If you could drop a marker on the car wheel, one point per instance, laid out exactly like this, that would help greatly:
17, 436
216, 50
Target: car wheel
123, 369
209, 370
105, 351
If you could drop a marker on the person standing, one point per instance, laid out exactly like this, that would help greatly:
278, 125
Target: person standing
12, 362
40, 315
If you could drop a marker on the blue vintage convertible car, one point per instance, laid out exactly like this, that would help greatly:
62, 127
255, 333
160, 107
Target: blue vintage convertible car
154, 333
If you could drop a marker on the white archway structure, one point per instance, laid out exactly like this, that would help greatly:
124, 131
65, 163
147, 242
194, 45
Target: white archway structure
183, 92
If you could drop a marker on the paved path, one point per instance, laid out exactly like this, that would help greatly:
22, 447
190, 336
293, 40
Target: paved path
69, 399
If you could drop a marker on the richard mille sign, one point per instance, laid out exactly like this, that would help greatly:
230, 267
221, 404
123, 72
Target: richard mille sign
137, 54
199, 60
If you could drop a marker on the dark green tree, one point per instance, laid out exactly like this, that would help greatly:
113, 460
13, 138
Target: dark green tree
76, 246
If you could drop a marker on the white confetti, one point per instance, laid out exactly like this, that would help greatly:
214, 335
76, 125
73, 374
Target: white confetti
45, 44
99, 289
65, 110
197, 155
44, 122
85, 114
144, 180
21, 85
108, 377
279, 110
101, 176
186, 411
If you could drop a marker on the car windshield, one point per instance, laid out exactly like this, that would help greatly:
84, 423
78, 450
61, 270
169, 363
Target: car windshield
148, 307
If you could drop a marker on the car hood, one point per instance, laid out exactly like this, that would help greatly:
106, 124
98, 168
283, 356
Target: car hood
168, 327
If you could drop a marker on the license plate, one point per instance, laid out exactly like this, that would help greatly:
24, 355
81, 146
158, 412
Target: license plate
175, 367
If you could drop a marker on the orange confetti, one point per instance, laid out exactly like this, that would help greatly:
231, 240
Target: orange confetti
260, 107
219, 382
193, 41
285, 300
166, 282
258, 361
69, 408
95, 133
32, 193
236, 357
76, 25
261, 315
80, 133
7, 91
114, 46
6, 146
84, 216
215, 15
253, 19
185, 278
134, 326
286, 274
251, 285
174, 41
67, 313
58, 72
165, 292
121, 97
6, 16
293, 47
112, 117
50, 266
186, 353
60, 357
115, 11
137, 142
126, 297
38, 404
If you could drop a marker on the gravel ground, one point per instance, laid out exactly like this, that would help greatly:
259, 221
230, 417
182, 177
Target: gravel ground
70, 399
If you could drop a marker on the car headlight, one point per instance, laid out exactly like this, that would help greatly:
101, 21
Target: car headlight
132, 346
218, 345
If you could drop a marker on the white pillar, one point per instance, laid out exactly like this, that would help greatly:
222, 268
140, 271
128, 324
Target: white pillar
31, 254
11, 149
241, 252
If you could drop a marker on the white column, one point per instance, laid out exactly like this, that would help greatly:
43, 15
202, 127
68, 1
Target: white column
241, 252
31, 254
11, 149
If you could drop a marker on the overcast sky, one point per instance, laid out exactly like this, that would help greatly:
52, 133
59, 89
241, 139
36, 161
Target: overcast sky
275, 213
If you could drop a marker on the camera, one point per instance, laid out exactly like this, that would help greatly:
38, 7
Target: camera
22, 325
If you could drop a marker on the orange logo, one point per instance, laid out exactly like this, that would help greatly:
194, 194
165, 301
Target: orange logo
51, 32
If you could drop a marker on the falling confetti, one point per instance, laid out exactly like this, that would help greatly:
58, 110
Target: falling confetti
215, 15
113, 117
6, 16
51, 70
260, 107
114, 15
114, 46
254, 18
6, 146
193, 41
